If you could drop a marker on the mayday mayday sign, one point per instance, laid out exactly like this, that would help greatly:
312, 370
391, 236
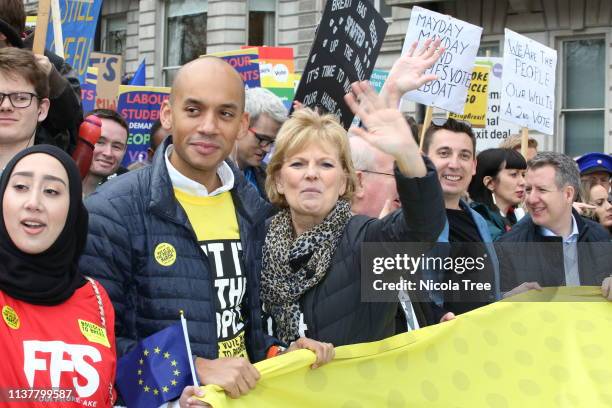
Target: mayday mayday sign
528, 91
454, 68
345, 49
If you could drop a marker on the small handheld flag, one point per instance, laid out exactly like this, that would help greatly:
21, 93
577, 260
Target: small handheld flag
139, 78
156, 370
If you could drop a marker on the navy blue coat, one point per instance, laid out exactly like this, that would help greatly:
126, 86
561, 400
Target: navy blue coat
132, 214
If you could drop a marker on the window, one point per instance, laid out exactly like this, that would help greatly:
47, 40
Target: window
185, 34
490, 48
115, 33
262, 25
583, 100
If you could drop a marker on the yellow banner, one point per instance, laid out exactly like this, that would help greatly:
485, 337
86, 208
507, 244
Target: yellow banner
475, 109
526, 353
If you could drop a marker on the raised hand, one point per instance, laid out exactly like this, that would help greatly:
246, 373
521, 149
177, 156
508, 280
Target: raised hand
385, 128
408, 71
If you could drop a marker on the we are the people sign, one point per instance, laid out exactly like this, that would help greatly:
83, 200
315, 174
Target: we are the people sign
528, 83
454, 68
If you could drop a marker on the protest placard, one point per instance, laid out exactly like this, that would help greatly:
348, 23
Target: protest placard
528, 83
454, 68
88, 90
108, 80
345, 50
378, 78
496, 130
244, 61
79, 21
475, 110
276, 67
139, 106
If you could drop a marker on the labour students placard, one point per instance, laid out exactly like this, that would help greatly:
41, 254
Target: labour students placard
139, 106
345, 49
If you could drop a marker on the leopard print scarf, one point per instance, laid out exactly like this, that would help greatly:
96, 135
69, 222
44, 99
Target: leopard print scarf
291, 265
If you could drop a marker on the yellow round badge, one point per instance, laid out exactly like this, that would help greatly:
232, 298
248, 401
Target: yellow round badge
165, 254
10, 317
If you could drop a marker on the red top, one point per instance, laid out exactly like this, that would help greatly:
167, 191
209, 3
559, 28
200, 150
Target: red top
43, 347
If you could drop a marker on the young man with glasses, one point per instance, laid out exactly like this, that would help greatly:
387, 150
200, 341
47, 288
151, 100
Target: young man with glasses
24, 103
266, 115
554, 245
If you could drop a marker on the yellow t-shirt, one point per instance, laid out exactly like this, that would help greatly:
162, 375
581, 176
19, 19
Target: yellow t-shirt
215, 224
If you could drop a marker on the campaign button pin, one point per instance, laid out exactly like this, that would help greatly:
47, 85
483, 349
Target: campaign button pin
10, 317
165, 254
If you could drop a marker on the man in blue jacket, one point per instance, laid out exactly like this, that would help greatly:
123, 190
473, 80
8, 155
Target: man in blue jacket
186, 233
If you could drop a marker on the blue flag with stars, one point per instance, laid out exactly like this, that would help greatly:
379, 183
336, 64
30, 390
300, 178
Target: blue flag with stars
156, 370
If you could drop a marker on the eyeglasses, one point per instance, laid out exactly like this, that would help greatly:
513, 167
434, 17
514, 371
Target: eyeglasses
377, 172
19, 99
262, 140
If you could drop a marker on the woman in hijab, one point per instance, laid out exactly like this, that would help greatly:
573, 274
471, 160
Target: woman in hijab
57, 328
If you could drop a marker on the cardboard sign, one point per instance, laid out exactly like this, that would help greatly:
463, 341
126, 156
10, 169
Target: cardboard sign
79, 22
496, 130
454, 68
276, 67
109, 78
139, 106
378, 78
246, 62
345, 49
475, 110
528, 90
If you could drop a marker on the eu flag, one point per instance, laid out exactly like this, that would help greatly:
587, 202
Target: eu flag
156, 370
139, 78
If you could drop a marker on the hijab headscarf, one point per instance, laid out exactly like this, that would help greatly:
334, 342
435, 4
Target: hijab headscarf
52, 276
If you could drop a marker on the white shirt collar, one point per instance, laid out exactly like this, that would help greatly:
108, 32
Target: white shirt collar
191, 187
572, 237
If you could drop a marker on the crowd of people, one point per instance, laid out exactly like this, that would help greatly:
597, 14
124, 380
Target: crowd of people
252, 221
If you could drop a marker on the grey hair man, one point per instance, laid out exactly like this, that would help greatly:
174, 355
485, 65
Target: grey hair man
266, 115
552, 183
376, 192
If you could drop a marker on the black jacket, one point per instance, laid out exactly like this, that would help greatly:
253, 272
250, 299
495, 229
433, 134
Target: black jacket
65, 112
333, 310
132, 214
522, 261
260, 179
